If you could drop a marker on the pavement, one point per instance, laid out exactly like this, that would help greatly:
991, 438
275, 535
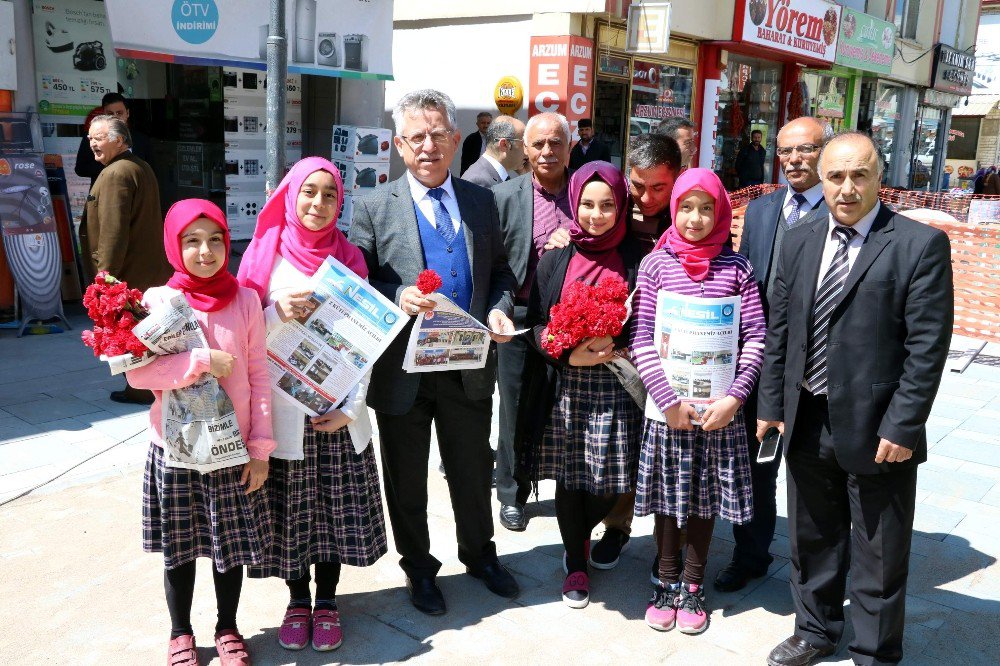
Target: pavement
77, 588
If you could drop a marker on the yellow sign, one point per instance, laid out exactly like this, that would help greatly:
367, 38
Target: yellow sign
508, 95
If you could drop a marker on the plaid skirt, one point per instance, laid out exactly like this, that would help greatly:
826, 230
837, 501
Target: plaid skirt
324, 508
591, 439
695, 473
187, 514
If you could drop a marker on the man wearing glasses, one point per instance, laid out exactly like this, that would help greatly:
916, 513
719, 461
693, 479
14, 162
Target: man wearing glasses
429, 220
767, 220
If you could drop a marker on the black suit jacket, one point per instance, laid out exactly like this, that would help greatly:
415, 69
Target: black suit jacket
384, 226
888, 338
482, 173
516, 206
472, 148
598, 150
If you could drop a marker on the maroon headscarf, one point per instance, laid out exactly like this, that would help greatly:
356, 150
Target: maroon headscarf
696, 257
204, 294
596, 256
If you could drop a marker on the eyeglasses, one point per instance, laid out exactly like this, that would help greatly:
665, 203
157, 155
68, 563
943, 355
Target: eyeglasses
438, 137
804, 149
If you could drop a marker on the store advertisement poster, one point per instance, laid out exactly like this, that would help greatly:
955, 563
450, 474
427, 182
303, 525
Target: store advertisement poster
562, 77
74, 64
344, 38
77, 187
802, 27
866, 42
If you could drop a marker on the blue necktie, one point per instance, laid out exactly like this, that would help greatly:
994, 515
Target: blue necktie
442, 219
793, 217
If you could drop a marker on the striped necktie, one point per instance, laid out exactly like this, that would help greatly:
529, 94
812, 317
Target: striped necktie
826, 301
798, 201
442, 219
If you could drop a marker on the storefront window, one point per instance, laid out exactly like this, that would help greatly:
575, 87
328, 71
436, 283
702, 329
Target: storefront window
879, 116
926, 153
827, 98
749, 99
658, 92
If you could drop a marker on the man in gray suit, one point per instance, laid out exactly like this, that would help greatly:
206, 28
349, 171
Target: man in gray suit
428, 219
504, 153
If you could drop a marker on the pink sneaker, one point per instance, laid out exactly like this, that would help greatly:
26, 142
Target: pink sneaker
692, 616
294, 632
182, 652
662, 610
231, 648
576, 590
327, 634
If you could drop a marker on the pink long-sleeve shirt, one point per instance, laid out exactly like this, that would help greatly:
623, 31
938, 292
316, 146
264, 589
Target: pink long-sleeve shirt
237, 329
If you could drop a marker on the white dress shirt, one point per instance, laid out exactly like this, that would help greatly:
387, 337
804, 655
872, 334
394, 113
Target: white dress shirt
862, 227
501, 170
426, 204
812, 195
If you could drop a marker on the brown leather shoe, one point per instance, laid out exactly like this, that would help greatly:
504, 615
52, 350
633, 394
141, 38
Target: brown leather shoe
794, 651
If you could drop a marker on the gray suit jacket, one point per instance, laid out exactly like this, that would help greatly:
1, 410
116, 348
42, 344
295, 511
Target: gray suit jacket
384, 226
516, 205
482, 173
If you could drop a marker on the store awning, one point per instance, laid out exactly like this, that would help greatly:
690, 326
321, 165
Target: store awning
978, 105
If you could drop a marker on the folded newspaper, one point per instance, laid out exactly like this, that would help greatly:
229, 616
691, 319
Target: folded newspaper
198, 423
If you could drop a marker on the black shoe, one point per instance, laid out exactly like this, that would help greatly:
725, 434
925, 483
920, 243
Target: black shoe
606, 552
794, 651
426, 596
734, 577
512, 517
132, 397
497, 579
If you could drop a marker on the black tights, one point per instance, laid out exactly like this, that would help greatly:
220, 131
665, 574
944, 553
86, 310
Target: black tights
668, 539
578, 513
327, 577
178, 583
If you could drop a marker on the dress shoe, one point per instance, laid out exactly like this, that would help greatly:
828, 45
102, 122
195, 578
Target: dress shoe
512, 517
794, 651
497, 579
133, 397
734, 577
426, 596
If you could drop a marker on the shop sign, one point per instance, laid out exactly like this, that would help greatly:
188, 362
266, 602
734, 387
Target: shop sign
613, 65
830, 105
646, 77
508, 95
562, 76
937, 98
866, 42
648, 28
800, 27
953, 70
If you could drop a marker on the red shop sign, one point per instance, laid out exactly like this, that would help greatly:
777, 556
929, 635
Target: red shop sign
562, 77
801, 27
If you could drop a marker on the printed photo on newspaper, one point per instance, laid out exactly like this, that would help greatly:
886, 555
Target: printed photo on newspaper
697, 341
314, 362
199, 424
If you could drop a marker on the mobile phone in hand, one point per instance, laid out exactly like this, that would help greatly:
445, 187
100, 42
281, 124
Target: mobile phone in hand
769, 446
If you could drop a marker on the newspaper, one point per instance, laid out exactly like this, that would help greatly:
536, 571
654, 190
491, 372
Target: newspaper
199, 424
126, 362
316, 361
697, 340
622, 367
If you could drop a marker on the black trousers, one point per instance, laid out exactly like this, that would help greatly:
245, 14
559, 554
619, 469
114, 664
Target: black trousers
841, 522
463, 432
753, 539
513, 487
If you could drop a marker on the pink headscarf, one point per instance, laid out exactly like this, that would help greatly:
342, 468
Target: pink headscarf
596, 256
204, 294
696, 257
280, 232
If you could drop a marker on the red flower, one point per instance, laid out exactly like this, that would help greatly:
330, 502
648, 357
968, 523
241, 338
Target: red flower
428, 281
114, 309
586, 311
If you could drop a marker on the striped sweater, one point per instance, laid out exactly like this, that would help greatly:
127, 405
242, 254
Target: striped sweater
728, 275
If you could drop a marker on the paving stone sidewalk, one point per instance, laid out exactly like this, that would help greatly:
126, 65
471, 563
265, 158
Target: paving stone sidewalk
77, 588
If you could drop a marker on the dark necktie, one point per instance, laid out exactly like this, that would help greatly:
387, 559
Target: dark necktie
798, 201
442, 219
826, 300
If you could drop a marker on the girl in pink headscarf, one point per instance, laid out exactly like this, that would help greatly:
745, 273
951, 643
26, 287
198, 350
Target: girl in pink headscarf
326, 505
695, 463
221, 514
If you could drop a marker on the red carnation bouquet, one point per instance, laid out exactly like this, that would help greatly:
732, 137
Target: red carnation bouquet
115, 310
586, 311
428, 281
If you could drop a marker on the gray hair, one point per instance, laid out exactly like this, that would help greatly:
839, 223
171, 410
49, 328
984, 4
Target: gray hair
847, 135
670, 126
549, 116
418, 100
647, 151
501, 128
116, 127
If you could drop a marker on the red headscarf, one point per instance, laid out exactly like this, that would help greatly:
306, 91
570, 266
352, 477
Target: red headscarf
204, 294
596, 256
280, 232
696, 256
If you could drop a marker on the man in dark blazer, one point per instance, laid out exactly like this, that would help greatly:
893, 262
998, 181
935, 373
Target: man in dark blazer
588, 148
504, 153
860, 323
765, 224
428, 219
475, 144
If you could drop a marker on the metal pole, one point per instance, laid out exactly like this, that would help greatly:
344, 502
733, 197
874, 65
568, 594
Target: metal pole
277, 71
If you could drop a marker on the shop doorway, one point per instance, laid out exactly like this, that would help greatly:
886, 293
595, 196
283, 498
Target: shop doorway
749, 100
610, 98
926, 148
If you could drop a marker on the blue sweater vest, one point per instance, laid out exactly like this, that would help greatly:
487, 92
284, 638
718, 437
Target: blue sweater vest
451, 262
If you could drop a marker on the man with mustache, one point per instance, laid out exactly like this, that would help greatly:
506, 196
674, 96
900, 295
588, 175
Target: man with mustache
767, 220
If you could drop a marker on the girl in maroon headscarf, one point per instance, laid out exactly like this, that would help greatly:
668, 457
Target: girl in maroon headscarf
577, 422
220, 514
326, 506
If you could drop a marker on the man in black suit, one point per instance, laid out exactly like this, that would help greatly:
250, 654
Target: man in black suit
504, 153
767, 220
860, 322
475, 144
588, 148
750, 161
428, 219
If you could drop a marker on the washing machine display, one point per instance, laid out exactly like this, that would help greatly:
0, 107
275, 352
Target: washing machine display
328, 50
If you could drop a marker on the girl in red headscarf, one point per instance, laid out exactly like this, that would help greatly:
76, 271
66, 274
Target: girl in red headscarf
695, 465
326, 505
221, 514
